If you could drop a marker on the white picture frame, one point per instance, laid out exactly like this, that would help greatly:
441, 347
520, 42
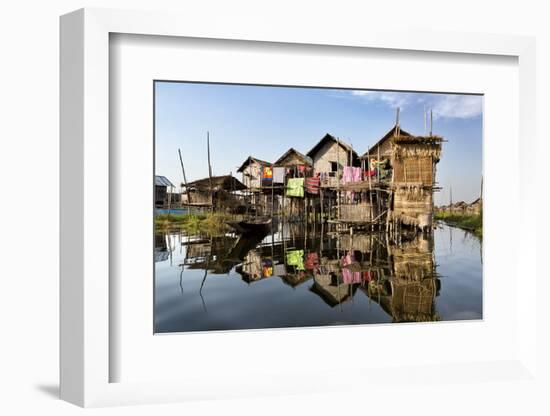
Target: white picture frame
85, 212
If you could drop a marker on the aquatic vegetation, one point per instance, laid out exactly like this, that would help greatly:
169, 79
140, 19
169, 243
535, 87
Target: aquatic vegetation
470, 222
208, 223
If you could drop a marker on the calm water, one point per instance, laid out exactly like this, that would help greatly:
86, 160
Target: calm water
293, 277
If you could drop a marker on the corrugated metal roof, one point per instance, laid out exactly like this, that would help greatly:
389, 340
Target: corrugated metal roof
162, 181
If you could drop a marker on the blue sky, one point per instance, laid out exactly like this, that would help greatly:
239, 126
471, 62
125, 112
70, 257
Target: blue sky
266, 121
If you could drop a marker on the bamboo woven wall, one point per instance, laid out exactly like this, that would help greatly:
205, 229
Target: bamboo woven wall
413, 206
357, 212
414, 169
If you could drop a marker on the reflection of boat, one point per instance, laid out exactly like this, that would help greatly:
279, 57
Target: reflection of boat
250, 226
245, 243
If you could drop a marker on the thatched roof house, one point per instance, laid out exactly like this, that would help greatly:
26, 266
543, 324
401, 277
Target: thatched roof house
250, 160
328, 151
217, 183
162, 183
292, 158
384, 144
217, 190
251, 170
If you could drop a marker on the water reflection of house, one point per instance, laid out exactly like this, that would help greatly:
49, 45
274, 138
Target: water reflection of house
332, 290
407, 301
161, 252
255, 267
407, 293
211, 253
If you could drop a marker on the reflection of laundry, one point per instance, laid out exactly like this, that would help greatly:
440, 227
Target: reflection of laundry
278, 175
312, 261
267, 268
295, 187
312, 185
348, 276
252, 265
295, 258
279, 269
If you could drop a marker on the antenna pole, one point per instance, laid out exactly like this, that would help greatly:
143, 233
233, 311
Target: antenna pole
425, 119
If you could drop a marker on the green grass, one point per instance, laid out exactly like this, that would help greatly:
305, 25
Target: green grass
471, 222
207, 223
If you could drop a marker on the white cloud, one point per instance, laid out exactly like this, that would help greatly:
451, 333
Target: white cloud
443, 105
457, 106
391, 99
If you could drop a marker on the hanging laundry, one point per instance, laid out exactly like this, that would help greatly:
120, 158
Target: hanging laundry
295, 187
301, 168
351, 174
295, 258
278, 175
356, 174
267, 173
347, 175
312, 185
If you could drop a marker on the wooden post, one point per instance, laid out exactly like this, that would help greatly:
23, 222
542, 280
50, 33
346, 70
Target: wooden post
338, 181
184, 179
378, 180
321, 200
370, 186
209, 170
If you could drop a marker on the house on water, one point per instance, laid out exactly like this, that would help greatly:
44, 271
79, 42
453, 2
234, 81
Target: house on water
293, 159
163, 189
218, 191
329, 156
252, 172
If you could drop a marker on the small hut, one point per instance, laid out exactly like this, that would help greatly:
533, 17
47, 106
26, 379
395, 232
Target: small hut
252, 172
383, 146
292, 158
329, 152
413, 161
162, 186
220, 191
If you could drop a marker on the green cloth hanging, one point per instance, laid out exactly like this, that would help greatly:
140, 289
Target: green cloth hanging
295, 258
295, 187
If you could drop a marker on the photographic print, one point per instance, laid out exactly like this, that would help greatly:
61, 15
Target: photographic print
286, 206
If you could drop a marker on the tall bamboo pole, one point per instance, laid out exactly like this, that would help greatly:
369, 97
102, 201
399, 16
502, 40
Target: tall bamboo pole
338, 181
184, 178
209, 170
